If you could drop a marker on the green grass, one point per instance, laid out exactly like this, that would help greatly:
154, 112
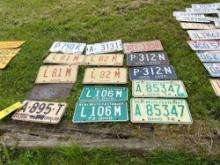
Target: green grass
78, 156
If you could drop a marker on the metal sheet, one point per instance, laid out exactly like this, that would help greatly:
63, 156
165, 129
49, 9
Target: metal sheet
199, 26
204, 34
213, 69
209, 56
104, 47
216, 86
147, 58
104, 93
160, 72
11, 44
191, 19
146, 46
185, 14
163, 111
70, 59
202, 11
50, 91
5, 112
205, 45
57, 74
67, 47
6, 55
105, 76
149, 88
105, 60
40, 112
100, 112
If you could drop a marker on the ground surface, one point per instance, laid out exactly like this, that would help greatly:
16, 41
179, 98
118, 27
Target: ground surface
41, 22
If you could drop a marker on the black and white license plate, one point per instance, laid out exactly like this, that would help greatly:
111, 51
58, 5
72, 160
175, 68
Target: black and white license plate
147, 58
163, 72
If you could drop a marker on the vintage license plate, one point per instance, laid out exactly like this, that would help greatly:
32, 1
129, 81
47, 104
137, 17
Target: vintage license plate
50, 91
5, 112
205, 45
202, 11
11, 44
6, 55
216, 86
57, 74
163, 111
209, 56
213, 69
40, 112
147, 58
213, 19
105, 76
191, 19
104, 60
100, 112
104, 93
150, 88
217, 23
146, 46
204, 34
206, 6
197, 26
104, 47
160, 72
185, 14
67, 47
69, 59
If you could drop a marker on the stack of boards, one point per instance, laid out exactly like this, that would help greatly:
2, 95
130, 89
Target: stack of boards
158, 96
202, 22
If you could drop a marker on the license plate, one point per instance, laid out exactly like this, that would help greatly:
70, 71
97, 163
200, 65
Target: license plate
11, 44
57, 74
7, 111
213, 19
199, 26
59, 58
104, 93
50, 91
67, 47
105, 76
6, 55
209, 56
205, 45
149, 88
204, 34
185, 14
163, 111
202, 11
206, 6
213, 69
105, 60
104, 47
217, 23
100, 112
146, 46
40, 112
163, 72
191, 19
216, 86
148, 58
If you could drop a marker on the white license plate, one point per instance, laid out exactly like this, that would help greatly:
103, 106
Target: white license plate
152, 88
67, 47
213, 69
104, 47
185, 14
57, 74
202, 11
204, 34
205, 45
163, 111
105, 76
191, 19
40, 112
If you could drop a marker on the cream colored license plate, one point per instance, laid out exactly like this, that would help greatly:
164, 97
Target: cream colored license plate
10, 44
105, 76
57, 74
216, 86
105, 60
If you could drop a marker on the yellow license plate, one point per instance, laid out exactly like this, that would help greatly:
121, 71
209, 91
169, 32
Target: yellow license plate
6, 55
10, 44
10, 109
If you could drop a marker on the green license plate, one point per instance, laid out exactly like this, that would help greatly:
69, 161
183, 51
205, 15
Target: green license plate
151, 88
104, 93
164, 111
100, 112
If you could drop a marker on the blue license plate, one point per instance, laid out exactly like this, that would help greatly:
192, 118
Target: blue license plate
213, 69
163, 72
